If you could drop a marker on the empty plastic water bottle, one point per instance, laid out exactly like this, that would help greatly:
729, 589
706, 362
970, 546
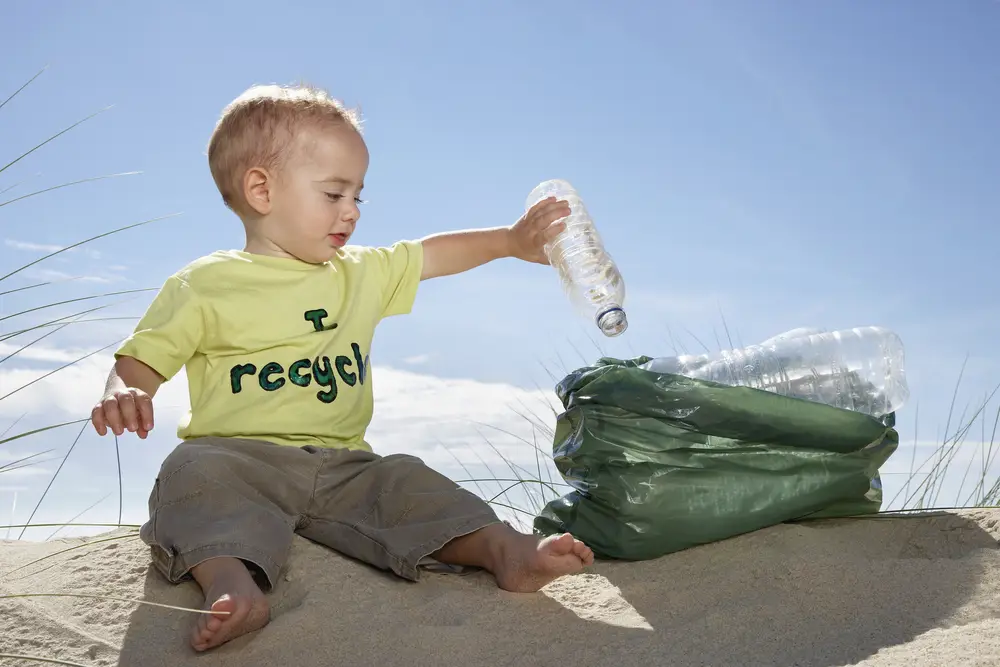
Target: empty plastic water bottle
859, 369
586, 270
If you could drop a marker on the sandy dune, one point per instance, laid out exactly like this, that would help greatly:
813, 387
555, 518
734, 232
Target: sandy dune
912, 591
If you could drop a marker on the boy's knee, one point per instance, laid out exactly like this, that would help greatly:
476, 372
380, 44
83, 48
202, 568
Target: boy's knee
199, 456
182, 455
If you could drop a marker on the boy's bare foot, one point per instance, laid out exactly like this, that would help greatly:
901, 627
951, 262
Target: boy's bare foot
228, 587
526, 564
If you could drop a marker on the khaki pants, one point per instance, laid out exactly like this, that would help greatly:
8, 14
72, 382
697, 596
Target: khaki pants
247, 499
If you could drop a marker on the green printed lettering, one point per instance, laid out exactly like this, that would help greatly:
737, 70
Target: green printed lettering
236, 376
362, 363
265, 381
296, 377
325, 378
342, 362
316, 317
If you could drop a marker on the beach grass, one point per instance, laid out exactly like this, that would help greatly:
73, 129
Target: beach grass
23, 329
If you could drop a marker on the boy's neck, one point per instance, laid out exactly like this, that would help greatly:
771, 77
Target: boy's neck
257, 243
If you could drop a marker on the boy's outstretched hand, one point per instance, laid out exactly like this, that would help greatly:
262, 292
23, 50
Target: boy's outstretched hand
540, 225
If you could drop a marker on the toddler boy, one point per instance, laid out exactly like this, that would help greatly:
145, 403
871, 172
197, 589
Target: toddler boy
275, 340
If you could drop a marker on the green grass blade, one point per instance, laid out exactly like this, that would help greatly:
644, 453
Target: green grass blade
990, 457
77, 300
482, 493
53, 372
109, 597
725, 325
56, 474
6, 467
27, 465
18, 91
13, 424
73, 520
121, 493
129, 535
579, 352
39, 339
42, 430
10, 187
51, 661
66, 185
967, 426
89, 320
28, 287
514, 508
88, 525
515, 481
52, 138
92, 238
60, 320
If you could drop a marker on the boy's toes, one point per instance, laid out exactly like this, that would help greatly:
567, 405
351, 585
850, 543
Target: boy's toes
236, 615
562, 545
583, 552
208, 625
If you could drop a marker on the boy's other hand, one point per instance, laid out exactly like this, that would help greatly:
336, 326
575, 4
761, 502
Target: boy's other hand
540, 225
124, 409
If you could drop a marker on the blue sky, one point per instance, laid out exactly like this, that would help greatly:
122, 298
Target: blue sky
777, 164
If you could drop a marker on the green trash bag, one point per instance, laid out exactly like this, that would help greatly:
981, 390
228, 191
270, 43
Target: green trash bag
660, 462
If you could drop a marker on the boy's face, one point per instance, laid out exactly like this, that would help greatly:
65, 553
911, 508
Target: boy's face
313, 204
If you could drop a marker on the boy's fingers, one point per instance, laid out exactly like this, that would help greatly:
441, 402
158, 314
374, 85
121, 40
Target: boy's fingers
145, 406
112, 415
547, 210
552, 210
553, 230
97, 419
126, 404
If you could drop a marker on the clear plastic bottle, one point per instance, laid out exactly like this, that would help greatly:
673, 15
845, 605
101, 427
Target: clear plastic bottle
859, 369
586, 270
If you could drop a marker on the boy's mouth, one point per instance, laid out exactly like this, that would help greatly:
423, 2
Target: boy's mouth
338, 240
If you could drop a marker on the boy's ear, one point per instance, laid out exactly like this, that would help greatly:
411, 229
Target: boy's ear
257, 189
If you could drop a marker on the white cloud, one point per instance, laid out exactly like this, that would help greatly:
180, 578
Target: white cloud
32, 247
417, 359
29, 246
73, 390
60, 276
42, 353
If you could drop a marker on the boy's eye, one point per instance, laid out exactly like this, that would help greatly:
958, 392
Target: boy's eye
333, 196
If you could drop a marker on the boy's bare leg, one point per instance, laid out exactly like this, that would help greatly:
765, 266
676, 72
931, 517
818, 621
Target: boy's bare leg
520, 563
228, 587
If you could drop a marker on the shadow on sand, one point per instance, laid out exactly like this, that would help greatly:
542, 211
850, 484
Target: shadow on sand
816, 594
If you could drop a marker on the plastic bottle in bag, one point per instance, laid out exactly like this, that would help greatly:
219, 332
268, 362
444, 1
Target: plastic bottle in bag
859, 369
586, 270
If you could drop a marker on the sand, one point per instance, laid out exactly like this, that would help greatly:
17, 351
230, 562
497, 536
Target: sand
913, 591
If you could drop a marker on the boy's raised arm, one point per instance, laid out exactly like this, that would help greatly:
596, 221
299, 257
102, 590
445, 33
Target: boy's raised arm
455, 252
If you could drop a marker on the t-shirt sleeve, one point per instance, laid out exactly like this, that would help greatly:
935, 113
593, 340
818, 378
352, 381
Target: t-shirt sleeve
170, 331
400, 266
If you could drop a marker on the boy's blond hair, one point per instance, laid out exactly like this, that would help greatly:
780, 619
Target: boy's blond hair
258, 127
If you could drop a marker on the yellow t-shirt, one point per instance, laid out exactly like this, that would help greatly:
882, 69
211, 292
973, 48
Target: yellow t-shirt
277, 349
